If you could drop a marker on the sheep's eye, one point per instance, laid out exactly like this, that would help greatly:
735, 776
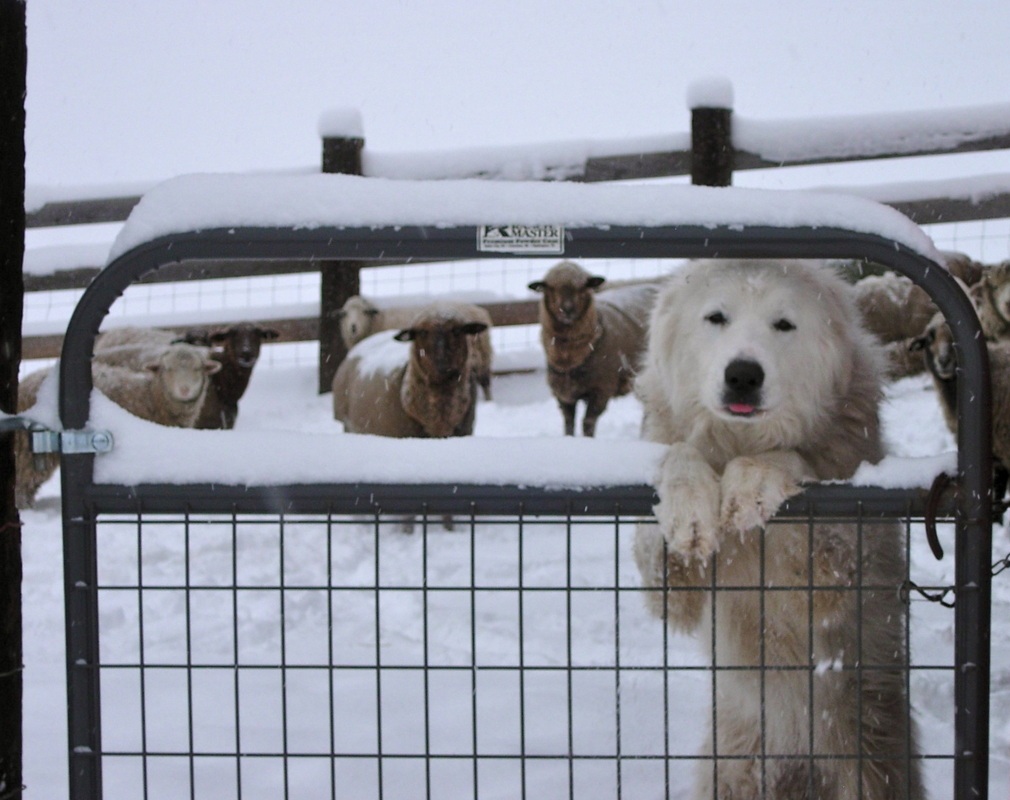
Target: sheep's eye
783, 325
716, 318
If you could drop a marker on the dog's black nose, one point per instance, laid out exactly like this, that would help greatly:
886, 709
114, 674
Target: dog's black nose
743, 376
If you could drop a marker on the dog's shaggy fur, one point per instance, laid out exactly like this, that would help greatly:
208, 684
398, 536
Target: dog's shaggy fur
759, 376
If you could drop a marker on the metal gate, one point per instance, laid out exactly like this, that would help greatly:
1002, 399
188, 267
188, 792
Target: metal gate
410, 701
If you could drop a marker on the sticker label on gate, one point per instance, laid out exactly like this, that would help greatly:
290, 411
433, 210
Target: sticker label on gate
521, 239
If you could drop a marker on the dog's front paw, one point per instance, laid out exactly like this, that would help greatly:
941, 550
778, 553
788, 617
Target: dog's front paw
688, 517
752, 491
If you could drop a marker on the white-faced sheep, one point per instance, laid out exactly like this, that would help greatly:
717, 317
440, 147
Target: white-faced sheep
360, 318
425, 390
936, 345
593, 341
169, 391
237, 348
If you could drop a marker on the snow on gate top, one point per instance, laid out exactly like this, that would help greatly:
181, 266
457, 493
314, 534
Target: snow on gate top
200, 202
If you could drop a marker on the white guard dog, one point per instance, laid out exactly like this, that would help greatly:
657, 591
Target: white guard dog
759, 376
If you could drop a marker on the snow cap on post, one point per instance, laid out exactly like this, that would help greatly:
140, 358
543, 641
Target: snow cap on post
341, 123
711, 92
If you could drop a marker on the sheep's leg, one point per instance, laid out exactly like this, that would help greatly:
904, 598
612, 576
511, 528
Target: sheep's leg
568, 412
595, 406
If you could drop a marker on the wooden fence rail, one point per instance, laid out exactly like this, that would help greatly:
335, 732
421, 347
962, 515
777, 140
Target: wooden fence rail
719, 144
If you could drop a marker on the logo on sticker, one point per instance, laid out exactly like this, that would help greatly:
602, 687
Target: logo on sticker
521, 239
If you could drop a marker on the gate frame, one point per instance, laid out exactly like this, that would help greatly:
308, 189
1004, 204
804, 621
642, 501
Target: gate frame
82, 500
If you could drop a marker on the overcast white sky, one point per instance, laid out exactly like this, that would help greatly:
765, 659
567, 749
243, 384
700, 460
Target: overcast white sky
127, 90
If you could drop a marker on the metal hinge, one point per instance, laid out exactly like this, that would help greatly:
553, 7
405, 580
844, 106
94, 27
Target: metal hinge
45, 440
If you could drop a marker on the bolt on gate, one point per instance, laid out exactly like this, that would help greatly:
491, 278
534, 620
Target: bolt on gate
289, 640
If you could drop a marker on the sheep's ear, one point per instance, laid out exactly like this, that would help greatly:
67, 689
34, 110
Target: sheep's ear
918, 343
341, 314
152, 366
268, 333
406, 335
595, 281
538, 286
472, 328
210, 367
371, 312
218, 336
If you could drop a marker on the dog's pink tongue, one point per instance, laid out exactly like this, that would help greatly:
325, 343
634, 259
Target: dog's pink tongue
741, 408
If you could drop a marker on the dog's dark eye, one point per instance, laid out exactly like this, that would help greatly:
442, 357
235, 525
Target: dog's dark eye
716, 318
783, 325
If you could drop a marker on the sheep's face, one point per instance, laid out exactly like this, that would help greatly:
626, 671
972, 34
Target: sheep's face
441, 350
937, 346
356, 318
241, 343
183, 370
567, 291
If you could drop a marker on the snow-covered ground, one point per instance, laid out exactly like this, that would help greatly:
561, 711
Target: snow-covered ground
282, 398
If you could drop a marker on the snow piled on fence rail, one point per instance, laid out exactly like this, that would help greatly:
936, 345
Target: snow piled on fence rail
199, 202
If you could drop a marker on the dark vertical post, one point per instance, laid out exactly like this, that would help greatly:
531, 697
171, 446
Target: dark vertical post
339, 280
14, 57
711, 146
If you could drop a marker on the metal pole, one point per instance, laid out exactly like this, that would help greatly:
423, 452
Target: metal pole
13, 46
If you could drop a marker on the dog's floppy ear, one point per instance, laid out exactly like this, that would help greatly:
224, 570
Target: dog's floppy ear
537, 286
595, 281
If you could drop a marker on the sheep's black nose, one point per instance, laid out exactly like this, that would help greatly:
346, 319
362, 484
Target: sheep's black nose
744, 376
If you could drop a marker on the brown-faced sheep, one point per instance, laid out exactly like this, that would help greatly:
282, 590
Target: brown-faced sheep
169, 391
425, 390
593, 341
360, 318
240, 349
936, 345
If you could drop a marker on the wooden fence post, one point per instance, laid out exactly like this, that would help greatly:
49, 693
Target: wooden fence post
711, 133
339, 280
12, 247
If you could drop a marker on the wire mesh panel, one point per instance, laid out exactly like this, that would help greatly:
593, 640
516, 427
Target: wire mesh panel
255, 656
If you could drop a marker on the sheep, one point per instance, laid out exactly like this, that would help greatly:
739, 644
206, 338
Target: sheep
169, 391
359, 318
153, 337
991, 298
426, 390
239, 350
939, 355
593, 341
897, 311
31, 470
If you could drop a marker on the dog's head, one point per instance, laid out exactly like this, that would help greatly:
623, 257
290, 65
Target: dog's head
748, 343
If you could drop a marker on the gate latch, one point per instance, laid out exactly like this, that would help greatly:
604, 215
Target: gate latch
45, 440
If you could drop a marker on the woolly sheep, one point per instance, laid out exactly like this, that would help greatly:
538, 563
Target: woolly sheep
939, 355
897, 311
152, 337
425, 390
359, 318
239, 350
169, 391
991, 298
593, 341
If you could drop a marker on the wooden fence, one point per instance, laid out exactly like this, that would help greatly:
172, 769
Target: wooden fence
718, 146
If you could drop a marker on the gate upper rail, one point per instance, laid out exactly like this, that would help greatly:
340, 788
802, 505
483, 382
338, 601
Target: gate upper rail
972, 506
